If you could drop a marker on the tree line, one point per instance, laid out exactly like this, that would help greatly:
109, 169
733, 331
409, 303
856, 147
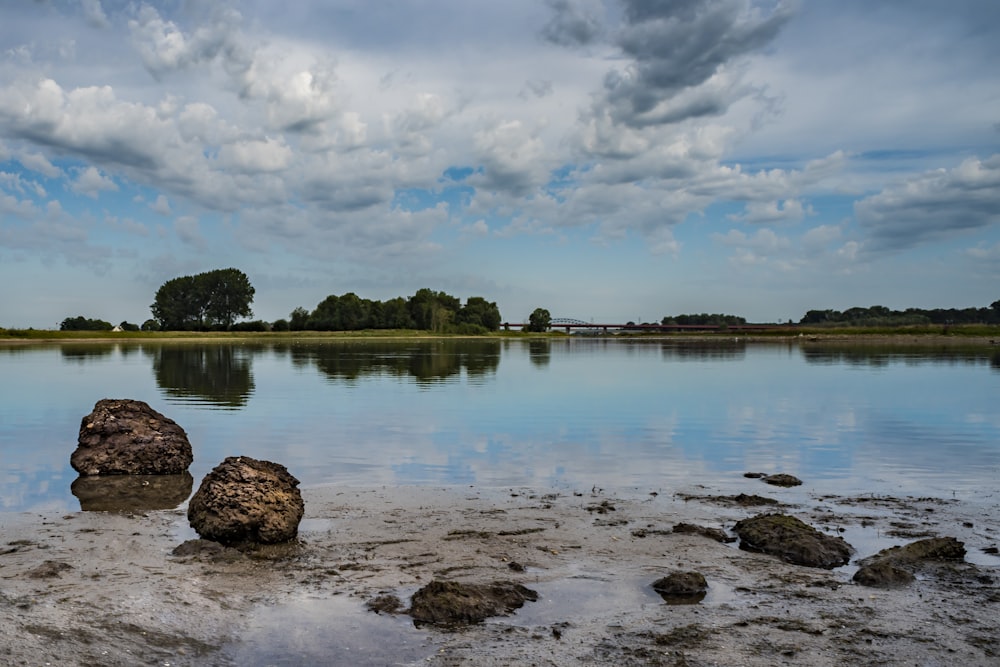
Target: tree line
215, 300
880, 316
427, 310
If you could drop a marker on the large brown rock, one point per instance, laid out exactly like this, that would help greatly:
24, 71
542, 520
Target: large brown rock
127, 437
792, 540
247, 501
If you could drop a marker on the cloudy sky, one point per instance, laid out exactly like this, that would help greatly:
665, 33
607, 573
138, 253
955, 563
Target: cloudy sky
609, 160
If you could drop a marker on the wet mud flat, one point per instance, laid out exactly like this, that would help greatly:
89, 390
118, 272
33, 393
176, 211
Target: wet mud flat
114, 588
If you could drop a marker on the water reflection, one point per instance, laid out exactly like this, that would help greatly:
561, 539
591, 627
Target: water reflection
540, 352
560, 413
84, 352
428, 362
132, 493
710, 351
217, 374
881, 355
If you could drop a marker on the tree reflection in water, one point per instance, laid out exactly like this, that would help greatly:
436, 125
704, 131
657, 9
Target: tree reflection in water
217, 374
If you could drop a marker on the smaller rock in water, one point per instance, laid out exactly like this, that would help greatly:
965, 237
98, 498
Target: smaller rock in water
127, 437
450, 603
792, 540
247, 501
782, 479
682, 587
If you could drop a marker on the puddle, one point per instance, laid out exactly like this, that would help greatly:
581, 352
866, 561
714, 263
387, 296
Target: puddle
337, 631
594, 597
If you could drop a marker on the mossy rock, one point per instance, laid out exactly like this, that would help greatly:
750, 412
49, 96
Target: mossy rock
793, 541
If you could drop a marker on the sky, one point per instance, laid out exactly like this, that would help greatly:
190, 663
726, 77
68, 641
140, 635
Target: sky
608, 160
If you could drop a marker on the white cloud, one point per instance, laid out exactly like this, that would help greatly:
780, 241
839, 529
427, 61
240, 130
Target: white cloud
94, 13
788, 210
254, 156
161, 205
91, 182
188, 230
513, 159
39, 163
933, 206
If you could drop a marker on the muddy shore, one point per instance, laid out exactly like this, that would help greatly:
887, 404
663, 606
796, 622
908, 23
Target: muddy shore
106, 588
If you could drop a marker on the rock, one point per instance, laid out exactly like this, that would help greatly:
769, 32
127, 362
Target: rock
883, 574
894, 567
781, 479
246, 501
792, 540
452, 603
126, 437
681, 587
716, 534
384, 604
132, 493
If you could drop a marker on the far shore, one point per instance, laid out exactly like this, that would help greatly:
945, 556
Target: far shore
965, 335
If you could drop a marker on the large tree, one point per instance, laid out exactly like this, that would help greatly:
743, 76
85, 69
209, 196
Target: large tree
211, 300
539, 320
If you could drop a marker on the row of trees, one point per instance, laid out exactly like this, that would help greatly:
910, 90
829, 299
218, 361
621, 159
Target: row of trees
882, 316
427, 310
718, 319
207, 301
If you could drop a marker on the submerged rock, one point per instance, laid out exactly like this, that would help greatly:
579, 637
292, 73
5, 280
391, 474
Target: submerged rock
452, 603
894, 567
682, 587
127, 437
782, 479
793, 541
244, 500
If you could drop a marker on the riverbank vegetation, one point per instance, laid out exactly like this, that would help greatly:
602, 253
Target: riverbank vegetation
212, 302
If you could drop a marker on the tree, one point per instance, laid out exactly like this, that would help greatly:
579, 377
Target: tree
177, 305
298, 319
478, 311
432, 310
81, 323
539, 320
228, 295
208, 300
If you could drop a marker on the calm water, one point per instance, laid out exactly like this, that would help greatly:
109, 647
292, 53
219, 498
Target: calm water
565, 414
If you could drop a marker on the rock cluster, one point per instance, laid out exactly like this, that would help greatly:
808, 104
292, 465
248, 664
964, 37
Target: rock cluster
127, 437
894, 567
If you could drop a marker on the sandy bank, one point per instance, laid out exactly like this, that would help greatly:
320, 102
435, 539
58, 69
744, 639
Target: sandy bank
103, 588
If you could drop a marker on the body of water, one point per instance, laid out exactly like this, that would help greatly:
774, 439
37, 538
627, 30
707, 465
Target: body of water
568, 413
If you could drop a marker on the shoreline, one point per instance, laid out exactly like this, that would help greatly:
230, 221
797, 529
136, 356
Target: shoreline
105, 588
810, 337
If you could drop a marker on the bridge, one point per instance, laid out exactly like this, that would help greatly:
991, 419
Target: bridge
570, 324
